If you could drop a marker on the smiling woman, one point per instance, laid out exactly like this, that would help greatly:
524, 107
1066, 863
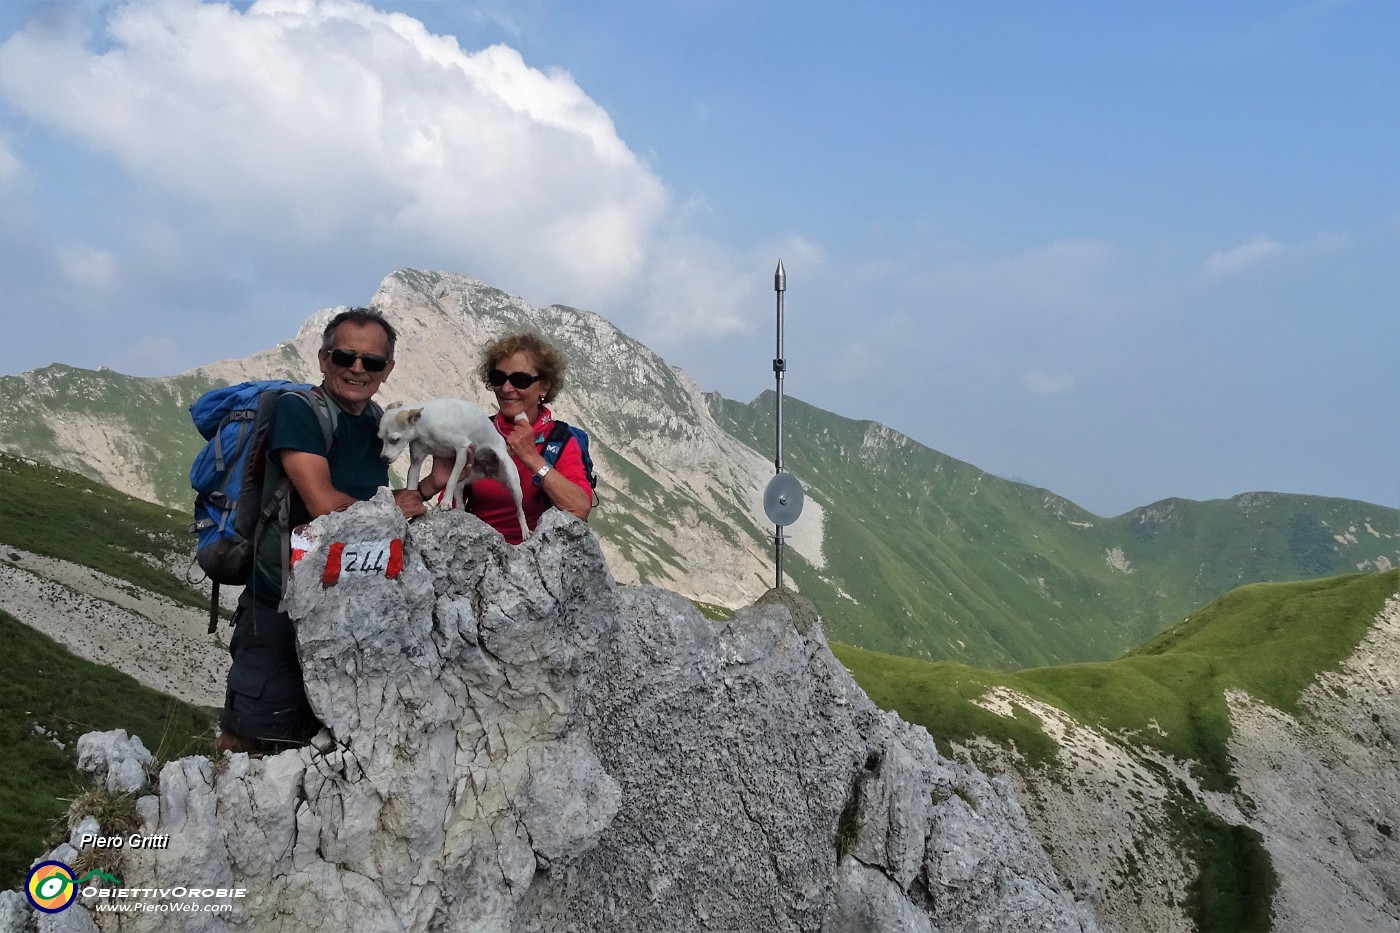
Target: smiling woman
525, 371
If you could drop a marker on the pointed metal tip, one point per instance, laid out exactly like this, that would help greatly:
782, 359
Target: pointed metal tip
780, 278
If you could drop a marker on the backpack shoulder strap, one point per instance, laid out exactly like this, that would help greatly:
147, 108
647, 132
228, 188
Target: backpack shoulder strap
327, 412
274, 485
554, 448
276, 499
554, 443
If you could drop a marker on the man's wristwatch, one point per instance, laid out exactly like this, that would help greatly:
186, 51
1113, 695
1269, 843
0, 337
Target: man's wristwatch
541, 473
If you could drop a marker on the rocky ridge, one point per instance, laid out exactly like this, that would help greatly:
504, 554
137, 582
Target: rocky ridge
515, 742
1322, 788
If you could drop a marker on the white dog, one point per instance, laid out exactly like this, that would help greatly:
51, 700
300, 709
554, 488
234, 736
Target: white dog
451, 427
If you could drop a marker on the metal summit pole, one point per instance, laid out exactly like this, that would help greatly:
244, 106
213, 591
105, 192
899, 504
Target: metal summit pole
782, 500
779, 367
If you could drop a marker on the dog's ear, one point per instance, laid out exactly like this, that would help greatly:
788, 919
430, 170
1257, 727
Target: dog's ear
392, 405
412, 416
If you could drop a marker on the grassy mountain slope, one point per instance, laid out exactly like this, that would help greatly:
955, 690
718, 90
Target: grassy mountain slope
60, 514
1166, 695
1185, 553
140, 421
1270, 640
48, 698
941, 559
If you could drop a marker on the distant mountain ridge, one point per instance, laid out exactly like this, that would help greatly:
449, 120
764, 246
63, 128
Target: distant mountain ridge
982, 567
903, 549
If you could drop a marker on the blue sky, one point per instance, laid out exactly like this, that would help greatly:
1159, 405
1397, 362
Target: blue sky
1124, 251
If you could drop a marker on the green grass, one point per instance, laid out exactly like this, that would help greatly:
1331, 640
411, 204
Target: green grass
1234, 890
939, 695
149, 417
712, 611
66, 516
44, 685
943, 560
1270, 640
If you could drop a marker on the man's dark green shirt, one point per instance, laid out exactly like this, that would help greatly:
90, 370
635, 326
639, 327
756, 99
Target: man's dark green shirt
356, 470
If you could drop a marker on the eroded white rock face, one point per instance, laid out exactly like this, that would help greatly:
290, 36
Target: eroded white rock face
1106, 814
1321, 786
1326, 789
516, 743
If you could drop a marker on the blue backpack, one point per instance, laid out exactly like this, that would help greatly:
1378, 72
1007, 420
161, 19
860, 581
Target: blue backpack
238, 488
554, 446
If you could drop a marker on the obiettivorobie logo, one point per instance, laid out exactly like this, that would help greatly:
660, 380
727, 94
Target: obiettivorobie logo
52, 887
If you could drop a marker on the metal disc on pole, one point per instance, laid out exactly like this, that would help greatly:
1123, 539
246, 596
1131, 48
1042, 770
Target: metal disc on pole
783, 499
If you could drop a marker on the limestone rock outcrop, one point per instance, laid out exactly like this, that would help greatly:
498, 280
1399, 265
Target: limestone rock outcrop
516, 743
1319, 783
117, 760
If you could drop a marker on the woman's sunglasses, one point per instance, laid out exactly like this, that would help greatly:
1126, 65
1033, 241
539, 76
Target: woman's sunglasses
373, 362
519, 380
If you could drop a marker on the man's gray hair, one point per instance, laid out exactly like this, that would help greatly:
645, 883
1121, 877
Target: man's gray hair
359, 316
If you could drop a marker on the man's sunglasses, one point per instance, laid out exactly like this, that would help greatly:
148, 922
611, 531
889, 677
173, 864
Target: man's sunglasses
519, 380
373, 362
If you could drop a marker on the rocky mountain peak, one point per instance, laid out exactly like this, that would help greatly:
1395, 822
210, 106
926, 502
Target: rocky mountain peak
679, 483
516, 743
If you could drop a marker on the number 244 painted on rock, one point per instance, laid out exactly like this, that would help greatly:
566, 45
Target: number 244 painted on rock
365, 558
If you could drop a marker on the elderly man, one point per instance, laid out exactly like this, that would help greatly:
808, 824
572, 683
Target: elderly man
265, 706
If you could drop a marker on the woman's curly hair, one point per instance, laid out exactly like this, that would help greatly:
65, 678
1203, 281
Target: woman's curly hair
549, 359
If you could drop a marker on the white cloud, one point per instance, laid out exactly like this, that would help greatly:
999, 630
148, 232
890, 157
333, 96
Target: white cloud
1232, 261
313, 122
696, 288
87, 268
1040, 383
10, 198
1263, 248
